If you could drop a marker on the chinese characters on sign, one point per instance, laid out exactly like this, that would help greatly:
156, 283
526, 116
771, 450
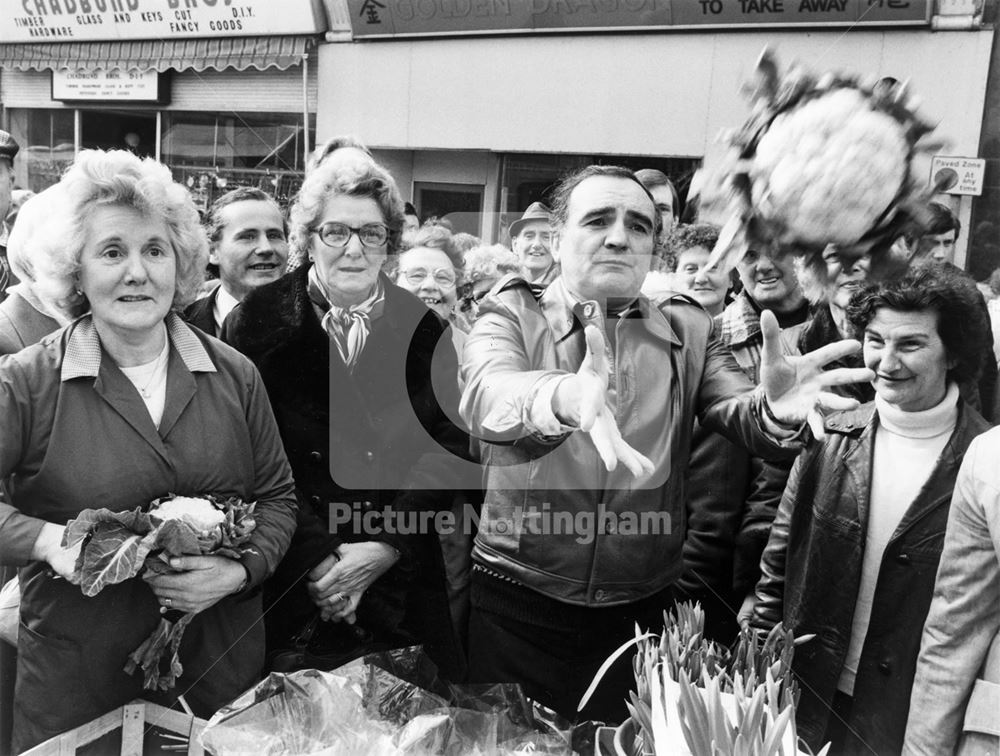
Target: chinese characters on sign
370, 9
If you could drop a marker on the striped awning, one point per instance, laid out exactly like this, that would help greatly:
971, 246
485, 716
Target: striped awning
219, 54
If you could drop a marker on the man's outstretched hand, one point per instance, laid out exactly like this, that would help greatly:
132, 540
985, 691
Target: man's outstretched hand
581, 400
795, 388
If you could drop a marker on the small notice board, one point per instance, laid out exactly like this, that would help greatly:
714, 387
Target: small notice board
958, 175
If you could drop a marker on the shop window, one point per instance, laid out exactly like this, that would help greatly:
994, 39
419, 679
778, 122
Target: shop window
213, 154
46, 139
459, 204
110, 129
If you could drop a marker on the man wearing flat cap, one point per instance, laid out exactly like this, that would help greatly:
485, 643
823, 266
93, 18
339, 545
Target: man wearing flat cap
8, 149
531, 240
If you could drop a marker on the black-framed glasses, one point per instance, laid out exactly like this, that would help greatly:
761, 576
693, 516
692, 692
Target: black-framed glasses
468, 293
442, 276
335, 234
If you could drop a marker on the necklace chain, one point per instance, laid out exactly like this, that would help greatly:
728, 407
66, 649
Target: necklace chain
157, 366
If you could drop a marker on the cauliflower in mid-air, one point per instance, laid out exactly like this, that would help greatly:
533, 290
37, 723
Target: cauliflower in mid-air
199, 513
820, 161
827, 171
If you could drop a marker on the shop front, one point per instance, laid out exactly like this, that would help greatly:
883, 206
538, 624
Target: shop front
501, 97
224, 94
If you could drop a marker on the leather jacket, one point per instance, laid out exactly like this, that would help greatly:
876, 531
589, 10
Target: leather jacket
666, 368
811, 571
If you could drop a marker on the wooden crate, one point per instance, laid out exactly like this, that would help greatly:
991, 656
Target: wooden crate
133, 720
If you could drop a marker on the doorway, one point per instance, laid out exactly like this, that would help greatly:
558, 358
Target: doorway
460, 204
119, 130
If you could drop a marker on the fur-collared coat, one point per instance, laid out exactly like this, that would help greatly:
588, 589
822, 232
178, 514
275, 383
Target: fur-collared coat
359, 442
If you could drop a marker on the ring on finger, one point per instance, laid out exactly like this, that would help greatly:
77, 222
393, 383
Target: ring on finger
167, 602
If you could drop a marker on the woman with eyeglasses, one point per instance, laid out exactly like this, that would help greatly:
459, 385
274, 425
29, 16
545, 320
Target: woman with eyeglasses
431, 269
363, 381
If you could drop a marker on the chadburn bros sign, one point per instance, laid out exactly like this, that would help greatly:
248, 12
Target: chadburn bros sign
82, 20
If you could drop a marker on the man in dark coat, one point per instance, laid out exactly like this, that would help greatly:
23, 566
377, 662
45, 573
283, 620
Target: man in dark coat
249, 248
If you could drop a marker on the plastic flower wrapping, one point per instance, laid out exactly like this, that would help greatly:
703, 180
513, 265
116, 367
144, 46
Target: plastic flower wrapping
831, 159
118, 546
388, 704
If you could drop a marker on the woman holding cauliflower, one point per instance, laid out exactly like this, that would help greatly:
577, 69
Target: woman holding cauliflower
121, 407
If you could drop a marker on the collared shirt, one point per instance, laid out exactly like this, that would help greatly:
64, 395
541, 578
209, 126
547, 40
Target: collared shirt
83, 350
224, 304
541, 417
5, 276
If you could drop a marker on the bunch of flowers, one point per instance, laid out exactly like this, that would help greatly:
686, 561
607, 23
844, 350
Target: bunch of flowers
118, 546
694, 697
821, 160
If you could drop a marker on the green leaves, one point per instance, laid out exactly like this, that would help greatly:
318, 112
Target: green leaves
166, 638
738, 703
177, 538
114, 550
114, 555
119, 545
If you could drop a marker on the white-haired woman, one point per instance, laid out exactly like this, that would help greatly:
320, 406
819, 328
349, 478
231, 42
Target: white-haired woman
484, 266
25, 316
122, 406
363, 381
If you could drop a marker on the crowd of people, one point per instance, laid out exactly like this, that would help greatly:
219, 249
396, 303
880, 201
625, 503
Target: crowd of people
609, 423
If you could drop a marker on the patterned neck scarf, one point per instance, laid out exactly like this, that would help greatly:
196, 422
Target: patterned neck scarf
348, 327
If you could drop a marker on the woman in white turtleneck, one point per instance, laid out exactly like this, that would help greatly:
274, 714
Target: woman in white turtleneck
855, 546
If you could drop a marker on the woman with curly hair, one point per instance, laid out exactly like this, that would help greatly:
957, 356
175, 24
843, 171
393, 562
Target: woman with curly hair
859, 532
363, 392
124, 405
690, 246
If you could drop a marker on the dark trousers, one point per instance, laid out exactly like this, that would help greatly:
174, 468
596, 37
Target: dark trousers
554, 649
842, 739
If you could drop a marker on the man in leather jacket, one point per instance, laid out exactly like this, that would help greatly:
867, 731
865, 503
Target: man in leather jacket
585, 398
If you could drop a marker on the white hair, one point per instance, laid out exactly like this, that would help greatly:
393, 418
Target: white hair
51, 241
